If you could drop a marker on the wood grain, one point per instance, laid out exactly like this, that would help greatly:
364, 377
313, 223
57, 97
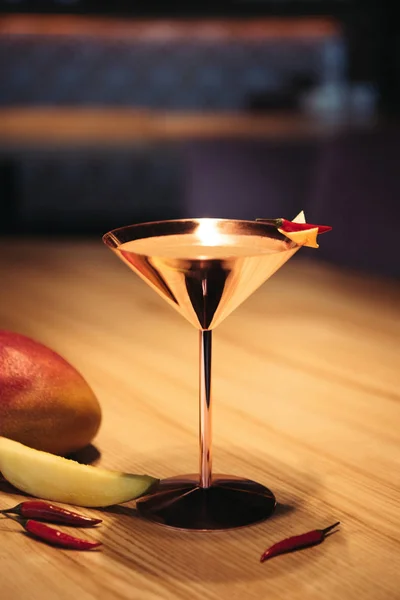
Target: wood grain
306, 391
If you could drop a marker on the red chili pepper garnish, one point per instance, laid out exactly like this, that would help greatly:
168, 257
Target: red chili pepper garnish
54, 537
42, 511
290, 226
311, 538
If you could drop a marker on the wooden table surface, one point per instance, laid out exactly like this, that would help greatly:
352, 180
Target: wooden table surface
306, 398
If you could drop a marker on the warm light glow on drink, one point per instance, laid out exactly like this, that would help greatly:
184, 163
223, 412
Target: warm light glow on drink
208, 234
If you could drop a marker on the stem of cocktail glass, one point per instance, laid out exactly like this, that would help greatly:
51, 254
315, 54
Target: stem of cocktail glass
205, 409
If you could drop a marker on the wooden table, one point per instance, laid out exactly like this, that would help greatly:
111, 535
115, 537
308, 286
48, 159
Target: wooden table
306, 391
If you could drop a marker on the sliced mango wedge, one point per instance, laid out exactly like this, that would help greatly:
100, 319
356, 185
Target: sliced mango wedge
59, 479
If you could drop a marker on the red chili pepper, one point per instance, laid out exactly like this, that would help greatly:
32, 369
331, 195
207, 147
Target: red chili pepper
42, 511
311, 538
290, 226
54, 537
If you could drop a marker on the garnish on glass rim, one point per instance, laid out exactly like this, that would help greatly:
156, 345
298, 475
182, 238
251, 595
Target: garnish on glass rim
297, 542
300, 232
292, 226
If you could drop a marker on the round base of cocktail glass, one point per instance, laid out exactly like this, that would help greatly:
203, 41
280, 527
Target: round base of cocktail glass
229, 502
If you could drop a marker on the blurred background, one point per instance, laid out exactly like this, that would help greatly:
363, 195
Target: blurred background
118, 112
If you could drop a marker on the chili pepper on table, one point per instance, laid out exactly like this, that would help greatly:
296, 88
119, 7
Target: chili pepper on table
54, 537
42, 511
311, 538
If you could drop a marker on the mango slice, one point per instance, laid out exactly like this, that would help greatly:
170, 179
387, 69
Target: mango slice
307, 237
300, 218
56, 478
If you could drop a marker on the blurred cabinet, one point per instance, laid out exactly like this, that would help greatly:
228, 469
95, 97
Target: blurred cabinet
90, 191
164, 65
350, 181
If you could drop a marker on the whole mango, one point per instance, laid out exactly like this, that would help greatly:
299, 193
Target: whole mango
44, 402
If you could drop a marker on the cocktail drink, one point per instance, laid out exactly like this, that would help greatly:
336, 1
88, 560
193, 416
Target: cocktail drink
205, 268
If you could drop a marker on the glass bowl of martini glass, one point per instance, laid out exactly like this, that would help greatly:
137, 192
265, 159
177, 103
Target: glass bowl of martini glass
205, 268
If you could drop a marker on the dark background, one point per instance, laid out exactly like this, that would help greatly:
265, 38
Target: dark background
349, 179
